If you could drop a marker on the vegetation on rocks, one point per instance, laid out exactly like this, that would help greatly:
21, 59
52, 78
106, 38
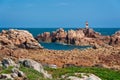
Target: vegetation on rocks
31, 74
103, 73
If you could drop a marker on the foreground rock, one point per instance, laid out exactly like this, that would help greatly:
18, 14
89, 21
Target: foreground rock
18, 38
35, 65
16, 73
6, 77
81, 76
6, 62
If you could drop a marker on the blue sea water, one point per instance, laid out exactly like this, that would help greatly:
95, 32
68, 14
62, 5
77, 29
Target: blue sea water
56, 46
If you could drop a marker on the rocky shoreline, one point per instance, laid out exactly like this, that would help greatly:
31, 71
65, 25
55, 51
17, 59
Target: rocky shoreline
20, 44
80, 37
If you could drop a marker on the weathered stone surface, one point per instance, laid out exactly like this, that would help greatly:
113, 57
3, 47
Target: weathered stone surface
18, 72
18, 38
115, 39
83, 76
5, 76
35, 65
6, 62
91, 33
93, 77
45, 37
73, 78
14, 75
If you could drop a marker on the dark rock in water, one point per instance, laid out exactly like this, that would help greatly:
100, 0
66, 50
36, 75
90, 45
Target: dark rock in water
18, 38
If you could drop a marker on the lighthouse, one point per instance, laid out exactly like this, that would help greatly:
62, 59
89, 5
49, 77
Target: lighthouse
86, 25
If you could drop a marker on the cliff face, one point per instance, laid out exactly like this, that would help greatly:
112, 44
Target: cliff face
83, 37
18, 38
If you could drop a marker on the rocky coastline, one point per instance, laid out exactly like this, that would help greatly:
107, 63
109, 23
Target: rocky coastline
20, 44
80, 37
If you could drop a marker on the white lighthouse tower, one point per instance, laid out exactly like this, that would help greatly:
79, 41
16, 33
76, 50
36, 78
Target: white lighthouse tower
86, 25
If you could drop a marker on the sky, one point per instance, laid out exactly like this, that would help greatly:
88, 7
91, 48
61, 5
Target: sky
59, 13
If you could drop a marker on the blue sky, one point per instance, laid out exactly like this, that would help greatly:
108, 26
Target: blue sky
59, 13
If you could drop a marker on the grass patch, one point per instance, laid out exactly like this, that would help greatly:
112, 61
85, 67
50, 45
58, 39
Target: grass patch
6, 70
32, 74
103, 73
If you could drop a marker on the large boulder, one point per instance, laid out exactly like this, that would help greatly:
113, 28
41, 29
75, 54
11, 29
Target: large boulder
35, 65
18, 38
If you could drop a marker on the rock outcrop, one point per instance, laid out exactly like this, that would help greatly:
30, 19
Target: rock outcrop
13, 73
15, 70
35, 65
82, 37
18, 38
115, 39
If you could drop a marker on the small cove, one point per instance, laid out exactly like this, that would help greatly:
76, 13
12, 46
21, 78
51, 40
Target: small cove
57, 46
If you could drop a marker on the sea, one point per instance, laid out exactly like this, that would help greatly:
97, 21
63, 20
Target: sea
57, 46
